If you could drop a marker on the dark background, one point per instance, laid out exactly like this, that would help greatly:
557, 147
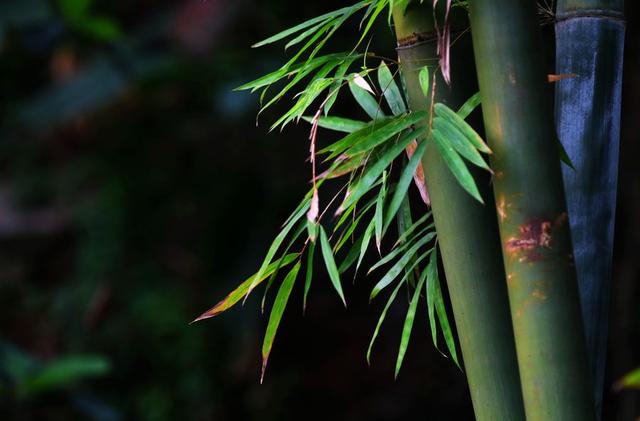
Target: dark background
136, 191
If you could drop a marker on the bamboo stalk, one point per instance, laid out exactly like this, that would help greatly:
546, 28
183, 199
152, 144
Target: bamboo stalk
467, 233
533, 220
589, 44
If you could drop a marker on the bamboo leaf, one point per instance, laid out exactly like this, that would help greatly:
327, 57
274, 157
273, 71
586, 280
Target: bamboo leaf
237, 294
338, 124
453, 137
377, 217
381, 4
297, 28
398, 267
337, 82
403, 237
441, 312
390, 90
408, 326
349, 140
330, 263
365, 242
431, 272
629, 381
367, 180
276, 244
309, 276
365, 99
423, 78
447, 113
394, 253
403, 183
306, 34
301, 228
470, 105
276, 315
352, 256
392, 297
395, 126
457, 166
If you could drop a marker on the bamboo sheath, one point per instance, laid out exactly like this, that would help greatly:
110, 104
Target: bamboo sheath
533, 221
589, 45
467, 232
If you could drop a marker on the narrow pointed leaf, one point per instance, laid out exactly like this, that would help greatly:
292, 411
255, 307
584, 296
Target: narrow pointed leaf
392, 297
377, 217
449, 135
367, 180
408, 326
459, 123
276, 315
309, 276
338, 124
237, 294
403, 184
431, 273
330, 263
457, 167
385, 132
276, 245
470, 105
441, 312
398, 267
390, 90
368, 103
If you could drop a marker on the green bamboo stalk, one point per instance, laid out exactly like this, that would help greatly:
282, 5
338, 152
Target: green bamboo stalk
589, 45
533, 220
467, 232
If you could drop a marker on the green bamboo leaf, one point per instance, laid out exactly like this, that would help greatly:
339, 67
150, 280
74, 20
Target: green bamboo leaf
351, 139
405, 235
397, 251
308, 278
629, 381
338, 79
398, 267
368, 103
276, 315
365, 183
423, 78
237, 294
351, 256
403, 183
347, 233
328, 63
306, 34
408, 326
316, 87
297, 28
392, 297
338, 124
368, 233
381, 4
470, 105
441, 312
275, 245
302, 226
431, 273
377, 217
390, 90
387, 131
453, 137
330, 263
442, 110
457, 167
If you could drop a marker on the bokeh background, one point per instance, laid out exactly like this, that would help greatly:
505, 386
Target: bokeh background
136, 190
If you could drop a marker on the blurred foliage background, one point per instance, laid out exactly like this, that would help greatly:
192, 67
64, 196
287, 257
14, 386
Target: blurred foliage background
136, 191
